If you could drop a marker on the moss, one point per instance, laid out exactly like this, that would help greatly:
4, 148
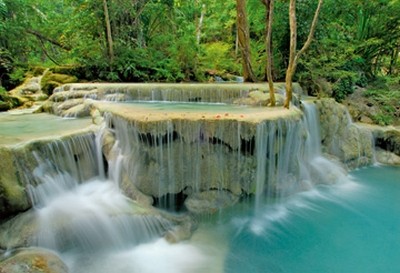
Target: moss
52, 80
49, 86
74, 70
7, 102
37, 70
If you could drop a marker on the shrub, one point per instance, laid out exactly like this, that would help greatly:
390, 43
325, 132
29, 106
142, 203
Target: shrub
343, 87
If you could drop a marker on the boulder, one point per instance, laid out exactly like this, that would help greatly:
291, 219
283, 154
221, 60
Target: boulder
32, 260
352, 144
28, 92
19, 231
13, 196
386, 157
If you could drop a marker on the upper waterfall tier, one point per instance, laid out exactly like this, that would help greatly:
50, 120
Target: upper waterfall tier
74, 100
182, 92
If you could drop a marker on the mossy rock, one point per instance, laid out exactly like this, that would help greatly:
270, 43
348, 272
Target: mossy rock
7, 102
52, 80
77, 71
4, 106
49, 86
37, 70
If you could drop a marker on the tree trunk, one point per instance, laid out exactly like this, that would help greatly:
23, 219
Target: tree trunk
269, 6
200, 24
393, 59
294, 55
109, 34
244, 41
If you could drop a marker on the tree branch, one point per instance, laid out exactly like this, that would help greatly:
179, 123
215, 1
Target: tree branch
312, 30
46, 53
41, 37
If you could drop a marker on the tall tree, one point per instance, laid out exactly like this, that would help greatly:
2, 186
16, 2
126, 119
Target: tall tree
269, 6
244, 40
294, 55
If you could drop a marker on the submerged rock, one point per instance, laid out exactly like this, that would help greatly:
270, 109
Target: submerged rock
183, 230
32, 260
210, 201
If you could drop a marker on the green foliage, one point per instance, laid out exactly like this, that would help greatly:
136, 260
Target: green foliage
382, 119
7, 102
216, 56
343, 87
157, 40
384, 92
18, 75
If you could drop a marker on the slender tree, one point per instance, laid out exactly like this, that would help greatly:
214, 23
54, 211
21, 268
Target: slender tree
269, 6
294, 55
200, 24
109, 34
244, 40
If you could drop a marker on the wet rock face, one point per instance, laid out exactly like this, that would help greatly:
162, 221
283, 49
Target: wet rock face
203, 154
13, 197
32, 260
72, 154
341, 137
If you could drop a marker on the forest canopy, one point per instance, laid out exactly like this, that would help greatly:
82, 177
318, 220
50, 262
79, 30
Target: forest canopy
356, 42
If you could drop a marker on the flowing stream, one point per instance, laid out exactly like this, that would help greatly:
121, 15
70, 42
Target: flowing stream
322, 220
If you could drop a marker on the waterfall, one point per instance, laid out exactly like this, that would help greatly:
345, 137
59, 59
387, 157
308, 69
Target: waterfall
77, 207
61, 166
318, 168
170, 160
290, 159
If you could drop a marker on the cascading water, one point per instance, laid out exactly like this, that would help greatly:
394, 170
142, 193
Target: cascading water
293, 162
78, 216
83, 214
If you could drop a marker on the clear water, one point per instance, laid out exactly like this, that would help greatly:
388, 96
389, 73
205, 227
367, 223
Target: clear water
17, 128
351, 227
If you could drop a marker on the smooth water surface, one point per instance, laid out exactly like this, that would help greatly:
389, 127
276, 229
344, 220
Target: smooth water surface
350, 227
17, 128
